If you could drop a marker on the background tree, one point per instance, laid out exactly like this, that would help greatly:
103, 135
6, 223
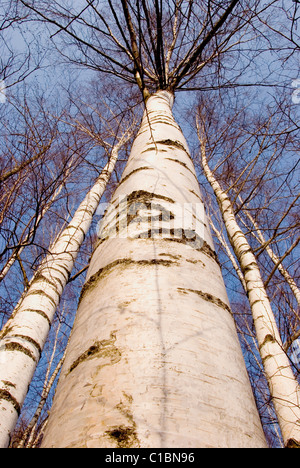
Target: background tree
261, 188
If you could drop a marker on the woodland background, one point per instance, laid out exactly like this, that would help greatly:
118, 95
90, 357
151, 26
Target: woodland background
61, 114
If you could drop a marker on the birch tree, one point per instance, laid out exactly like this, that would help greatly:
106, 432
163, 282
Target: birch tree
142, 388
157, 362
158, 180
283, 385
264, 151
24, 335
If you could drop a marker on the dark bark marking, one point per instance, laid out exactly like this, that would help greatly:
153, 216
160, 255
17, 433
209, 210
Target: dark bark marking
123, 262
268, 339
174, 143
30, 340
194, 193
8, 384
14, 346
100, 349
142, 195
292, 443
207, 297
183, 164
144, 168
40, 292
39, 312
124, 436
40, 277
6, 395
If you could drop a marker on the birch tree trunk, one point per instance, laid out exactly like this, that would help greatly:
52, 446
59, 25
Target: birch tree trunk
23, 337
154, 358
284, 388
275, 259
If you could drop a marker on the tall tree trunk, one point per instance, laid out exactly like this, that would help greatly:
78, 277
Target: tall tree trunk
154, 358
284, 388
23, 337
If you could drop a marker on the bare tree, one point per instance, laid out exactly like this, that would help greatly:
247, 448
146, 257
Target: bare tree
246, 192
28, 326
162, 49
283, 386
19, 56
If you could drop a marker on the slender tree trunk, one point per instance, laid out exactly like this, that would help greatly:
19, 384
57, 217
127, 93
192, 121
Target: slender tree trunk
29, 436
275, 259
154, 358
24, 335
284, 388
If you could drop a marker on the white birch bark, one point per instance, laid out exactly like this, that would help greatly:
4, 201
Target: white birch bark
24, 335
154, 358
284, 388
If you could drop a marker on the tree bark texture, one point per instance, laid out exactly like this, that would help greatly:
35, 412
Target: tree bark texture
154, 358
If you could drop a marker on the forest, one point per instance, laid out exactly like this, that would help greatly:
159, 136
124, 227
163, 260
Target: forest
149, 223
